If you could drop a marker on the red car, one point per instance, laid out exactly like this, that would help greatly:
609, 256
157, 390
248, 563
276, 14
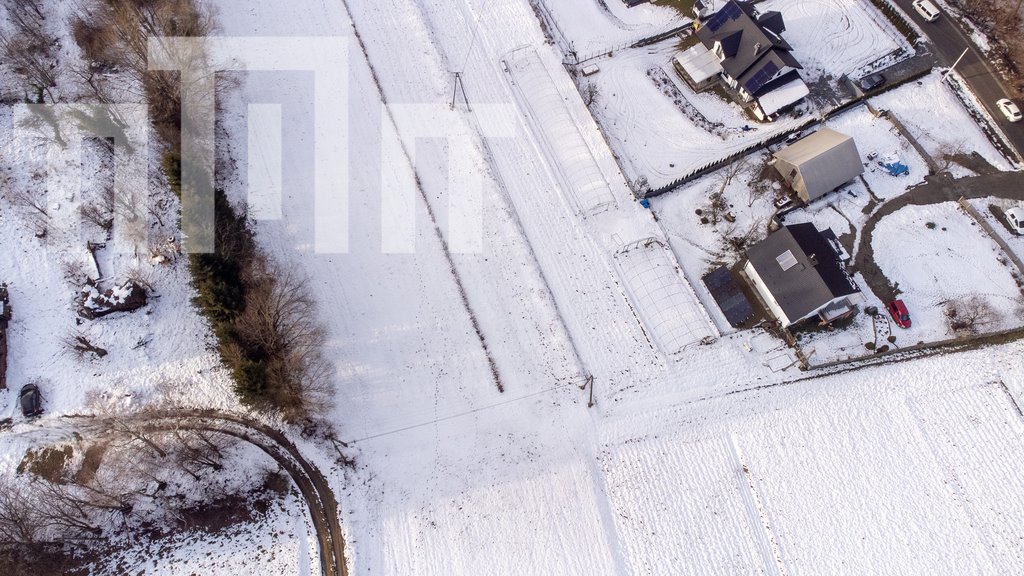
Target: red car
899, 313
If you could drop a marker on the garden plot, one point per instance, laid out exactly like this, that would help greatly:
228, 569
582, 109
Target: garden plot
929, 109
911, 466
939, 257
555, 127
663, 297
704, 241
595, 27
658, 127
831, 38
680, 508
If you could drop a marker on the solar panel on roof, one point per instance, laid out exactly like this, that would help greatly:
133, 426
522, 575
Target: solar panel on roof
766, 73
728, 12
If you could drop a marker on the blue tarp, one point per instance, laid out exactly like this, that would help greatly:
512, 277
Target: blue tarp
896, 168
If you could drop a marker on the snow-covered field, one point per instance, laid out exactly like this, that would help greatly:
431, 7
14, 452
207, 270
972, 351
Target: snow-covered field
719, 458
836, 37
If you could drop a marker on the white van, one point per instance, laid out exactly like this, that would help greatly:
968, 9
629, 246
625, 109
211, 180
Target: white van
1015, 216
927, 10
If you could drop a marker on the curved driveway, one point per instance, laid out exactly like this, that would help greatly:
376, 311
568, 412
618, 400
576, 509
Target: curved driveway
935, 190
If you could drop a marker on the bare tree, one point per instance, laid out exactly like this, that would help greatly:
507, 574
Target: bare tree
970, 314
591, 93
27, 47
19, 521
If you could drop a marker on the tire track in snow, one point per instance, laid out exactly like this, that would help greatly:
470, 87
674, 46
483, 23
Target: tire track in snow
769, 546
460, 287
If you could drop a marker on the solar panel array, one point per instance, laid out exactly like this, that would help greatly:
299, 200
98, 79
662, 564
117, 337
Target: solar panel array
728, 12
766, 73
730, 298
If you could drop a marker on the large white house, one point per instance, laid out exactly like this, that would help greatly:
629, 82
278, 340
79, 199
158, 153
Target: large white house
757, 63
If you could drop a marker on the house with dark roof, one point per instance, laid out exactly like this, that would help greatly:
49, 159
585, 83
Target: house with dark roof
799, 273
818, 164
757, 63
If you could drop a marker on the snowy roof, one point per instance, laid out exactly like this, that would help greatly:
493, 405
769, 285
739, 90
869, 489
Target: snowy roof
699, 63
787, 94
801, 269
826, 160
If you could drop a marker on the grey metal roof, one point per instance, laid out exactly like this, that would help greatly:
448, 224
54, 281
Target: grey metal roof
826, 160
817, 277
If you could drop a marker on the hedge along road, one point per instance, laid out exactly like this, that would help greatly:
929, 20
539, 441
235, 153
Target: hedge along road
315, 490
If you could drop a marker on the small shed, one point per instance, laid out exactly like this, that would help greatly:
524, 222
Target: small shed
698, 66
820, 163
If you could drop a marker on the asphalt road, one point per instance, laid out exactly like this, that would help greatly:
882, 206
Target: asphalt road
949, 41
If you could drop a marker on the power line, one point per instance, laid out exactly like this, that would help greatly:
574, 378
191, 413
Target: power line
467, 413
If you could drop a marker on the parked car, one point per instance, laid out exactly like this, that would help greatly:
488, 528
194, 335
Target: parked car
1015, 218
871, 82
927, 10
899, 313
1009, 109
31, 400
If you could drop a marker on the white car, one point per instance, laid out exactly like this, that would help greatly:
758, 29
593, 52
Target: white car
927, 10
1009, 109
1015, 218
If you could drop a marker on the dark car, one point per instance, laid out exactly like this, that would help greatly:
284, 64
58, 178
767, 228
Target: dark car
31, 400
899, 313
869, 83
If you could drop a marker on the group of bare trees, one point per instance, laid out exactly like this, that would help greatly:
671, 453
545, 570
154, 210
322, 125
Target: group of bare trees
279, 325
131, 473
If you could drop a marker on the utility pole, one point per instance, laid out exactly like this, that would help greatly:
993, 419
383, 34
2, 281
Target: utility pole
955, 63
460, 87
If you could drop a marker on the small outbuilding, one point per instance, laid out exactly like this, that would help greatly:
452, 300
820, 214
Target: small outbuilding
799, 272
818, 164
699, 67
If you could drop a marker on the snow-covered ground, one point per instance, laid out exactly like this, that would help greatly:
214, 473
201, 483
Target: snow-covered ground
452, 471
719, 458
929, 108
661, 129
937, 256
596, 27
836, 37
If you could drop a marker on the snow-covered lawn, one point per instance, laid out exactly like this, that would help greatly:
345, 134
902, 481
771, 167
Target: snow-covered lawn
595, 27
878, 136
932, 112
160, 351
934, 266
837, 37
658, 127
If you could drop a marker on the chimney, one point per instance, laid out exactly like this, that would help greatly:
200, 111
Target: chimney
757, 48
